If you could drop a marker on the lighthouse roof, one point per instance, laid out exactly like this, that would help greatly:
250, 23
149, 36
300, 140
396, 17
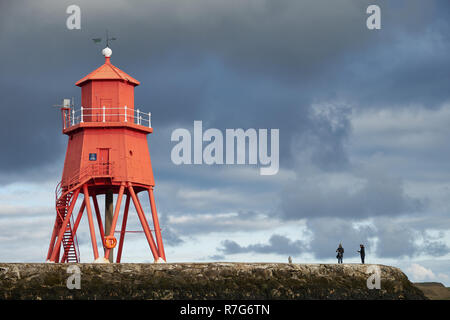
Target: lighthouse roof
107, 72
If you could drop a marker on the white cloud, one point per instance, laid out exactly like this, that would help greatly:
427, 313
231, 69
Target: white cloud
420, 273
443, 276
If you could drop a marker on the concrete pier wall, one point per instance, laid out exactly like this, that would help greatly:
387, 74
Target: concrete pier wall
202, 281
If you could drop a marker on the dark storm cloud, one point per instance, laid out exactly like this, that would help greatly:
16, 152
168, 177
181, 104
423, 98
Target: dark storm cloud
197, 59
30, 132
435, 248
380, 195
171, 236
278, 244
324, 141
216, 257
395, 239
436, 221
414, 71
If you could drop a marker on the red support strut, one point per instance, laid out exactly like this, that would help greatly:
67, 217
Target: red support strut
156, 224
91, 221
144, 223
123, 229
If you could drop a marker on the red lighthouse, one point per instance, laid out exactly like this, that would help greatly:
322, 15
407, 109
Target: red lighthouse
107, 154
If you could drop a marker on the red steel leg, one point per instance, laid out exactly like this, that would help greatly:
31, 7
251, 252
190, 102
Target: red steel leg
53, 239
145, 219
99, 218
122, 230
144, 223
77, 221
63, 226
91, 222
115, 217
58, 255
156, 224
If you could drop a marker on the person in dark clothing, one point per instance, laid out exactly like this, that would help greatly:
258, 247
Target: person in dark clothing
362, 253
340, 253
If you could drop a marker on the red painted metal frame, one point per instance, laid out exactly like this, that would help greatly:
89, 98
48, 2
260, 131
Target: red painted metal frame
123, 229
125, 169
127, 189
99, 217
156, 223
91, 221
80, 214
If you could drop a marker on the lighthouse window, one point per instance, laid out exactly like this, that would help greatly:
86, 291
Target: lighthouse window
92, 157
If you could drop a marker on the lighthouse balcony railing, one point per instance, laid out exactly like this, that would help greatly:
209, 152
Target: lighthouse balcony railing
94, 170
74, 116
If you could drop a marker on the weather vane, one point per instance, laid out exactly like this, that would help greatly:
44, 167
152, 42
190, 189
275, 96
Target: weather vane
97, 40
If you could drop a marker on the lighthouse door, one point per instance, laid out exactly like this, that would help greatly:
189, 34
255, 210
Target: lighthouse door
105, 114
104, 161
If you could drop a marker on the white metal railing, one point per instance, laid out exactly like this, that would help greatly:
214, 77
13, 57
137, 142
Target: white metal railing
71, 116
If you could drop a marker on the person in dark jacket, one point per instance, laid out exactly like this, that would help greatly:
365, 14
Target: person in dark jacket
340, 253
362, 252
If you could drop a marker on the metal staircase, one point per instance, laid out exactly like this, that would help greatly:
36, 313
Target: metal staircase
64, 197
69, 239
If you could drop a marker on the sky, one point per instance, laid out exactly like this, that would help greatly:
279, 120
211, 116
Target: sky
362, 116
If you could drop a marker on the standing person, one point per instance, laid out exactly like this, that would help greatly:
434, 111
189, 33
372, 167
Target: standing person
362, 252
340, 253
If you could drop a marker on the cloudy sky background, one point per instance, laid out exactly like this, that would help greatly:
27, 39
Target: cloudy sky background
363, 117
